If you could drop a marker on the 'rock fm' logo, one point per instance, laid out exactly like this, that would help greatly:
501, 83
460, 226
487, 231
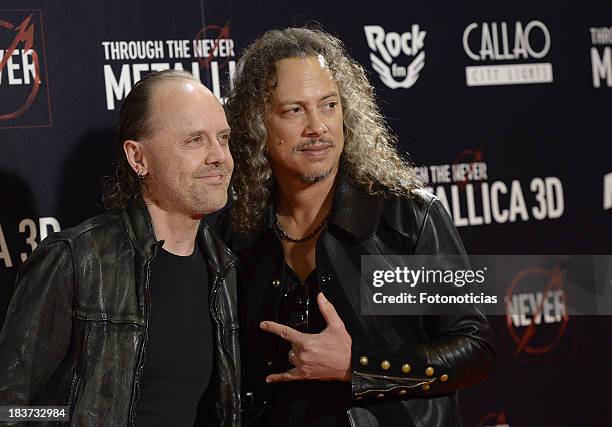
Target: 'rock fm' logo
386, 49
23, 86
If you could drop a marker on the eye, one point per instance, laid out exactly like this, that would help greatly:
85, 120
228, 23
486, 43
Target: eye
293, 110
194, 141
224, 138
331, 105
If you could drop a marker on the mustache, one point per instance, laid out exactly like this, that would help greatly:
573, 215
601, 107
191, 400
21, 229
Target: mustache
212, 170
322, 142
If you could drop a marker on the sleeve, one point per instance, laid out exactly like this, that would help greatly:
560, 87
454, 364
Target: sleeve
37, 328
459, 352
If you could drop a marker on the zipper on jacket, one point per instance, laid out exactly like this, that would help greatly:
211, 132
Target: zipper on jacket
141, 355
147, 305
217, 316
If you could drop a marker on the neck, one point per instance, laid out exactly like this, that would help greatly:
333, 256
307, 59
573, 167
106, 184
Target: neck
176, 229
303, 203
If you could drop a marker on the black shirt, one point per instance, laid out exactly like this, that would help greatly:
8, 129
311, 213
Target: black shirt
179, 348
304, 403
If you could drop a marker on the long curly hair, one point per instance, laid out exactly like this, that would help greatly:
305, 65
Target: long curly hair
119, 190
370, 158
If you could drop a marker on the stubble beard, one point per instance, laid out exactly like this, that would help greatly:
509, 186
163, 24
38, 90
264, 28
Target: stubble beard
203, 202
314, 177
192, 200
207, 200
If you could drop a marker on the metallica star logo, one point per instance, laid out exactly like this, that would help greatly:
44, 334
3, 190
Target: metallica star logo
537, 315
23, 80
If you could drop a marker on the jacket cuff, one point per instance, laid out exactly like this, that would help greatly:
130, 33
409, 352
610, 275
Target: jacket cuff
382, 374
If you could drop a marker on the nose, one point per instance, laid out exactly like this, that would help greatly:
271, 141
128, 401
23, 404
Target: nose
216, 154
315, 127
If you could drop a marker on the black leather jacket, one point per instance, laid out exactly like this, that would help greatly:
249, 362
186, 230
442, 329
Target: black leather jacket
457, 349
76, 330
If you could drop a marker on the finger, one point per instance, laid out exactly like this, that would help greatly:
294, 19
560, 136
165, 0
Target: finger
290, 375
285, 332
329, 312
291, 356
294, 358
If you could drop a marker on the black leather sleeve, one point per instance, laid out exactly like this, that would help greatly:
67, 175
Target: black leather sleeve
459, 350
36, 332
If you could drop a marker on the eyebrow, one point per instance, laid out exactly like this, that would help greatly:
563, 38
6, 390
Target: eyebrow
226, 130
323, 98
203, 132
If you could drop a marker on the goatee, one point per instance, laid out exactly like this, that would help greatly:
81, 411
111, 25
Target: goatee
315, 177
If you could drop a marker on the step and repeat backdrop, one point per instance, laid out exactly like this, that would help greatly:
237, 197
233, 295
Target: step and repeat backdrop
504, 107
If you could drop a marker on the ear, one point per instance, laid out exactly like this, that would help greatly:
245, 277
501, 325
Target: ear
134, 152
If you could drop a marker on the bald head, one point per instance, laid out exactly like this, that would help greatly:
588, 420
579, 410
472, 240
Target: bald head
182, 101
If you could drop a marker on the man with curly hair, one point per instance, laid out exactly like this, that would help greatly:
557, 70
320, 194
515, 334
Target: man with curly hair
130, 318
318, 184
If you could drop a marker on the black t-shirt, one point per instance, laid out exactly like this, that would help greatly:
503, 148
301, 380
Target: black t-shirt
179, 349
304, 403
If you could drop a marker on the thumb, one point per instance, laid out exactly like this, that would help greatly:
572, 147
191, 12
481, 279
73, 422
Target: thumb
329, 312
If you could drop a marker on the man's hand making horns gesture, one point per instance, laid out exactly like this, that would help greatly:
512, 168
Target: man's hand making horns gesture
325, 356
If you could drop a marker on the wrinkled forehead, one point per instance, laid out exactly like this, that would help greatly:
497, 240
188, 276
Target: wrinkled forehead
185, 102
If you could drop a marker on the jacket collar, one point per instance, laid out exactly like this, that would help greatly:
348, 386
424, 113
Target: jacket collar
218, 255
140, 230
354, 209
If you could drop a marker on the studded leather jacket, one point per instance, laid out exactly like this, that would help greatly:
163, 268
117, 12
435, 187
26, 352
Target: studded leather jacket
75, 333
406, 370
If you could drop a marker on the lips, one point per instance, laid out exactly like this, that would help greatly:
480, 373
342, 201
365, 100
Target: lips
316, 148
213, 179
316, 151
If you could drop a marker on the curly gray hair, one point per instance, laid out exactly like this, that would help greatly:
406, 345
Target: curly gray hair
369, 159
